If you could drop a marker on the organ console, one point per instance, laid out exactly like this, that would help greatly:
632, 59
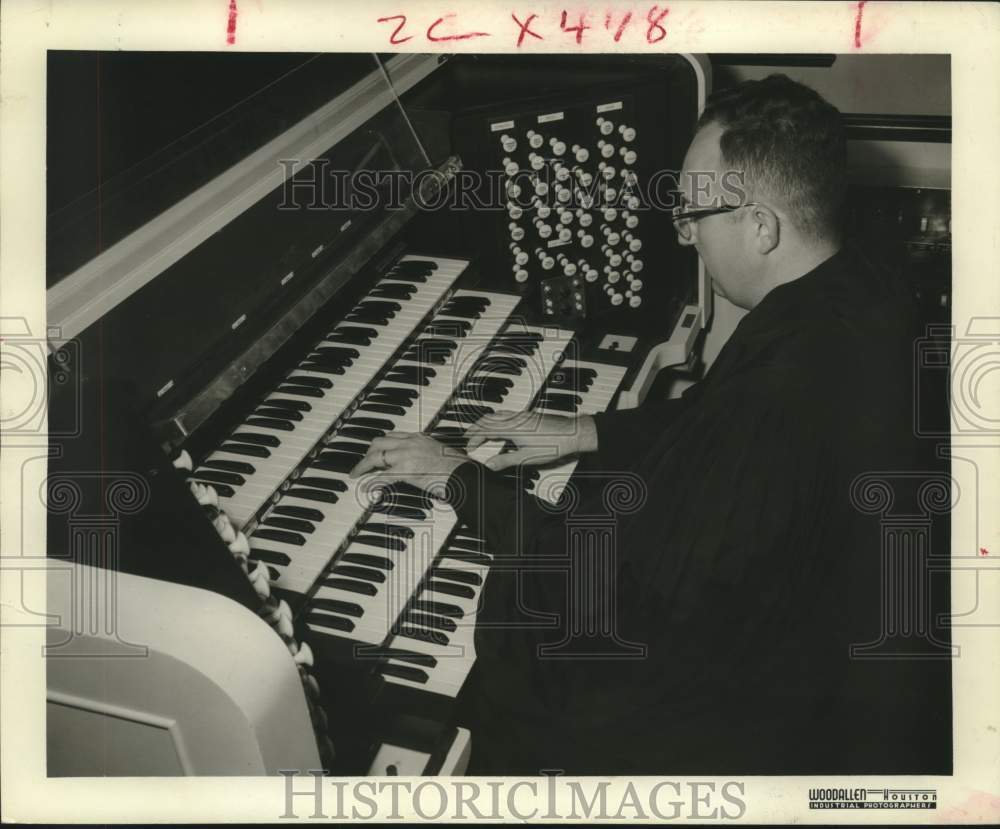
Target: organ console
236, 354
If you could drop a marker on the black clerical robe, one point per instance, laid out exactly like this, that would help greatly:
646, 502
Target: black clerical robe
691, 607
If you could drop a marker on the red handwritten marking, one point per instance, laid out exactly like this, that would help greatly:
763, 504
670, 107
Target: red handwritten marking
621, 26
578, 28
654, 21
983, 551
857, 24
231, 25
393, 39
435, 39
525, 28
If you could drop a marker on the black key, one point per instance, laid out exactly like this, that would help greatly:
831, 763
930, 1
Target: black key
388, 529
280, 405
405, 672
482, 396
424, 659
245, 449
469, 557
306, 513
514, 348
229, 466
380, 306
467, 313
285, 523
347, 355
431, 622
301, 391
381, 542
366, 560
222, 489
407, 276
410, 381
220, 477
438, 608
393, 292
370, 317
472, 409
336, 462
397, 511
319, 495
494, 362
354, 331
414, 371
358, 433
257, 438
389, 400
372, 423
280, 535
322, 368
347, 446
382, 408
456, 329
433, 636
417, 500
316, 382
349, 338
464, 416
416, 264
336, 605
556, 404
279, 412
269, 556
360, 573
451, 589
561, 395
334, 622
394, 391
322, 483
270, 423
452, 574
362, 588
422, 357
285, 403
480, 377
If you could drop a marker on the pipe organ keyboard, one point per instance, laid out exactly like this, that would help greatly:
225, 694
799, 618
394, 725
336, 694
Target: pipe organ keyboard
390, 566
321, 331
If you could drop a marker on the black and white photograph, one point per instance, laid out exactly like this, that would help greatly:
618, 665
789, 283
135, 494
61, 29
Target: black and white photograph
465, 406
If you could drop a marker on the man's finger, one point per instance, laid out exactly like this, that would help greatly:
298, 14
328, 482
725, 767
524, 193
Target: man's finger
500, 424
531, 456
373, 457
370, 462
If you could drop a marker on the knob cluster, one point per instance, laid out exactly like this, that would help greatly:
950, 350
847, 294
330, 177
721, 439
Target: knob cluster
572, 208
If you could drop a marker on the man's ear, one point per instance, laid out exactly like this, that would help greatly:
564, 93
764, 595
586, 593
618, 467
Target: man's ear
766, 227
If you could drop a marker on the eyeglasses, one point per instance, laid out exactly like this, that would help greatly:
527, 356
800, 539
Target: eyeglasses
682, 219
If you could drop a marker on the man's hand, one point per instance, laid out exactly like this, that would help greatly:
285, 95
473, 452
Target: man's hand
411, 458
538, 438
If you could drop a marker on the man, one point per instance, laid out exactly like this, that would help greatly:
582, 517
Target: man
745, 572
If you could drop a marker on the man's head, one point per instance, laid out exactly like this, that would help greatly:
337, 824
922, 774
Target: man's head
778, 149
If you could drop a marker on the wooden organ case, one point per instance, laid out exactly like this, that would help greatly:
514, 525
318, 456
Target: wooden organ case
358, 246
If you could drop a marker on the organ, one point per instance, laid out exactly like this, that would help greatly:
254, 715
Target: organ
230, 352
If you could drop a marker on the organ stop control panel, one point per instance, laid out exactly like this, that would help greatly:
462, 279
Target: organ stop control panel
570, 174
573, 207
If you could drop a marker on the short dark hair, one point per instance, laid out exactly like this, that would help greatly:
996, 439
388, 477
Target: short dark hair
790, 143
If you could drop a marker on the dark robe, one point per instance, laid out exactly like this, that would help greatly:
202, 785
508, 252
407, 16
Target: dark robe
704, 585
